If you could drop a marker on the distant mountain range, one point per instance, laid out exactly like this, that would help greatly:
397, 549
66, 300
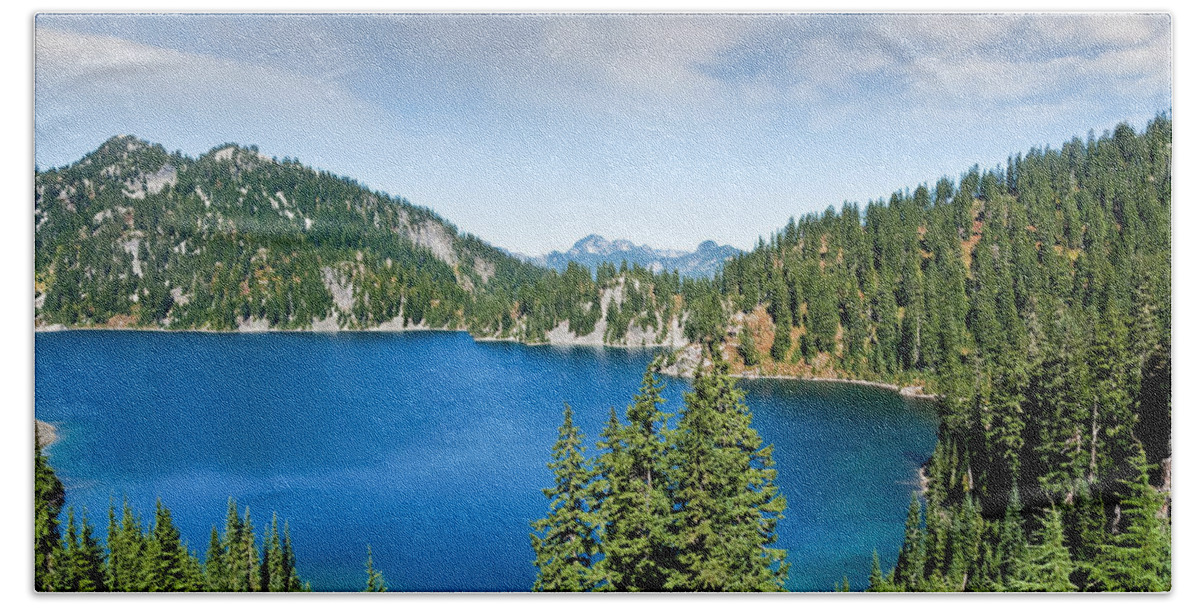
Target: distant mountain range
593, 250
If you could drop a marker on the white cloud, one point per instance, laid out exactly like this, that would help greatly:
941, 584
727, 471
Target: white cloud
90, 87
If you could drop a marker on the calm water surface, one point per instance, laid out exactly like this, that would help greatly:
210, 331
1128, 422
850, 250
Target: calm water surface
429, 446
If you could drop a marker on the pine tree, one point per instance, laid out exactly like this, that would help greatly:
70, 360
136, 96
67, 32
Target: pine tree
247, 554
564, 541
1138, 556
965, 540
127, 552
215, 576
64, 577
636, 539
910, 566
747, 348
87, 558
375, 582
728, 503
782, 315
1048, 564
271, 568
876, 581
288, 567
1012, 548
48, 499
166, 557
234, 567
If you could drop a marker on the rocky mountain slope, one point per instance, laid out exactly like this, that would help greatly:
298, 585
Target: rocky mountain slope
134, 236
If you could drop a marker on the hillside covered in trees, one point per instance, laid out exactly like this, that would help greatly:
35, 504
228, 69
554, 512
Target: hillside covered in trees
134, 236
1035, 299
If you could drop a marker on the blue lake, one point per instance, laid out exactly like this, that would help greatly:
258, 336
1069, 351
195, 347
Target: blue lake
429, 446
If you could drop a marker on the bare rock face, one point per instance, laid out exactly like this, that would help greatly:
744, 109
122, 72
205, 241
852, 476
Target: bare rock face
435, 238
340, 287
684, 362
46, 433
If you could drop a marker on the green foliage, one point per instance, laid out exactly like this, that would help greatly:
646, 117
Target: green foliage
48, 500
1138, 556
131, 235
1034, 298
1047, 566
149, 560
564, 540
166, 566
687, 509
375, 582
747, 348
729, 505
80, 563
876, 581
910, 565
633, 497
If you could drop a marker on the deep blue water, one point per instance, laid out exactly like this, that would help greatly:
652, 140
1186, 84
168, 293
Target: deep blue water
429, 446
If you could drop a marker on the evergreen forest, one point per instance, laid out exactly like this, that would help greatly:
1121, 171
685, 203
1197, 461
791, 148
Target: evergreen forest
152, 558
692, 507
133, 236
1031, 300
1034, 301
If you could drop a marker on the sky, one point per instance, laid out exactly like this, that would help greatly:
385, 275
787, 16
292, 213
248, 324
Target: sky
532, 131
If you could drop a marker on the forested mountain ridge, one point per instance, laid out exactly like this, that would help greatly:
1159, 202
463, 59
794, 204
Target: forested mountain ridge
1035, 298
134, 236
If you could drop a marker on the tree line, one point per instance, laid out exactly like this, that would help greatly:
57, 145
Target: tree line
1035, 299
689, 507
232, 238
153, 558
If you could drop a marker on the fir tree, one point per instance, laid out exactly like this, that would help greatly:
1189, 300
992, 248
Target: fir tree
728, 503
1138, 556
876, 581
215, 576
564, 540
1011, 549
910, 566
127, 552
48, 499
375, 582
288, 566
1048, 565
636, 539
86, 558
166, 557
271, 568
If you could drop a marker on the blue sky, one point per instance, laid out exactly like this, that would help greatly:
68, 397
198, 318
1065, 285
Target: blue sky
533, 131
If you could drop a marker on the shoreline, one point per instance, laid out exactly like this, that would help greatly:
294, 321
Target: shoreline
45, 432
56, 328
910, 391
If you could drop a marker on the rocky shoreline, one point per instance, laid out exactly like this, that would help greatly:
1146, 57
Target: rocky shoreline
688, 358
553, 341
46, 433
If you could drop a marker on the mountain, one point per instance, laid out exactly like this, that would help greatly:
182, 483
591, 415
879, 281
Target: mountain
134, 236
593, 250
1035, 300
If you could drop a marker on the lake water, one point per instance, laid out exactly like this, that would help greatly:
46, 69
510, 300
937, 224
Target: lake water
430, 447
